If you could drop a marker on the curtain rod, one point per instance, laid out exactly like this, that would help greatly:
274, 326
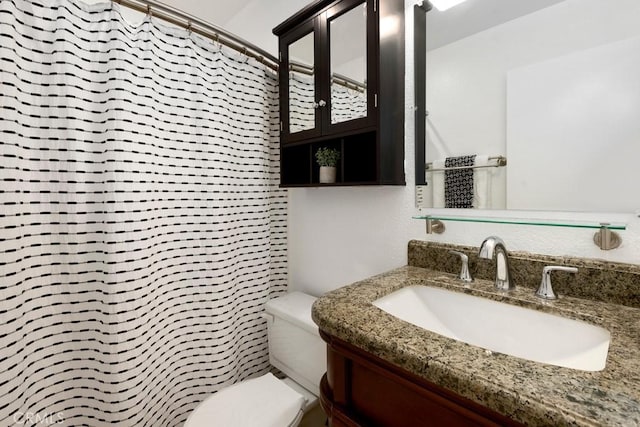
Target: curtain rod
203, 28
217, 34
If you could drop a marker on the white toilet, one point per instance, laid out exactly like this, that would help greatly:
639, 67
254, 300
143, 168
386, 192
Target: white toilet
296, 349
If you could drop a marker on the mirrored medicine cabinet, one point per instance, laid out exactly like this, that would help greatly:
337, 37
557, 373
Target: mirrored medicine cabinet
341, 86
549, 86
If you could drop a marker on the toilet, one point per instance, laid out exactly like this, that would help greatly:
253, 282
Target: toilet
296, 349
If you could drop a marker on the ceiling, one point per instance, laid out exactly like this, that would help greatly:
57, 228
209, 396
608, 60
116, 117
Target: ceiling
217, 12
473, 16
253, 20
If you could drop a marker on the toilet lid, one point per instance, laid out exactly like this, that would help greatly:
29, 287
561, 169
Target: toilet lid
260, 402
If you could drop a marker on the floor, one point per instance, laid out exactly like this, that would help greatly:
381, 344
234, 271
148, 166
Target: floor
314, 418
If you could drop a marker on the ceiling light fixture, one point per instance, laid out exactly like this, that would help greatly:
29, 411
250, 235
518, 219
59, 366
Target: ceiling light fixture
443, 5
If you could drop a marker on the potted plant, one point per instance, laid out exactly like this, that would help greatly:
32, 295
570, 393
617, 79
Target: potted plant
327, 158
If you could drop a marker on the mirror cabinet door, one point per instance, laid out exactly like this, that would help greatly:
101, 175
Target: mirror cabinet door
302, 87
347, 32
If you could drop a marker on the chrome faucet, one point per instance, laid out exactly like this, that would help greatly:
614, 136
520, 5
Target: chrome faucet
493, 246
545, 291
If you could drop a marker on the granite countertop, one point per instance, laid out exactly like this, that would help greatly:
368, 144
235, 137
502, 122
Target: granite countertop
529, 392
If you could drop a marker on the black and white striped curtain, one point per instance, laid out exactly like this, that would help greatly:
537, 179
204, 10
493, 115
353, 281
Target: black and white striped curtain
346, 103
141, 226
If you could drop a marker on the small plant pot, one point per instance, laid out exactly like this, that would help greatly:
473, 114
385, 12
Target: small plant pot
327, 174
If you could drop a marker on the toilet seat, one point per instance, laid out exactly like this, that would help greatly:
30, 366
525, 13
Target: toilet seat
260, 402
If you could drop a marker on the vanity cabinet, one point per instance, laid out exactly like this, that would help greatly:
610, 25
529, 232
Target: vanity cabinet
341, 85
360, 389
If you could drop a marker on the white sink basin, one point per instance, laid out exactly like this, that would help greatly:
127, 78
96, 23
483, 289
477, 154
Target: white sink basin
501, 327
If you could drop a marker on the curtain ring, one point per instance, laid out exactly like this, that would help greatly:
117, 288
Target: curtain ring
217, 42
189, 27
149, 10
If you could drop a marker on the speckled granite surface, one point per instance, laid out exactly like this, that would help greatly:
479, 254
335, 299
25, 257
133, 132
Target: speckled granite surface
597, 280
533, 393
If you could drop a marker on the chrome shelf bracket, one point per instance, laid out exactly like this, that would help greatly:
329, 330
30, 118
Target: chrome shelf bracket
435, 226
606, 239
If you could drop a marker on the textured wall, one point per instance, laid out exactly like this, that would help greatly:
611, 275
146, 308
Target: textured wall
340, 235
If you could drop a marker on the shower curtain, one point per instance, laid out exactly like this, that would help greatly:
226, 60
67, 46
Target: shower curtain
141, 225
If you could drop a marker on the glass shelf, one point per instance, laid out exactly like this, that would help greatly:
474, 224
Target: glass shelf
536, 222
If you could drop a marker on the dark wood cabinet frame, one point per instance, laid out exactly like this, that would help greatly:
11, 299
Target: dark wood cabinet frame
360, 389
372, 148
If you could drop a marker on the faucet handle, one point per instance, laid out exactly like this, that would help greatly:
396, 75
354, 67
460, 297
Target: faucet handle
545, 291
465, 274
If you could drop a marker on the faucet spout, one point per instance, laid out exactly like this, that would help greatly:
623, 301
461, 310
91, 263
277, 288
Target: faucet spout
494, 247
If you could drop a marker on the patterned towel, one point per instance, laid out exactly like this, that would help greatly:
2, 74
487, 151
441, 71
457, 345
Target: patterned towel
458, 183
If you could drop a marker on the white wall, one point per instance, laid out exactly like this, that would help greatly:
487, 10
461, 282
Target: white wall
560, 241
465, 75
255, 22
467, 79
589, 143
341, 235
336, 235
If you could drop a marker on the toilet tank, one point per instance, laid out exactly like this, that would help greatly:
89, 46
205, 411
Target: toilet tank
295, 346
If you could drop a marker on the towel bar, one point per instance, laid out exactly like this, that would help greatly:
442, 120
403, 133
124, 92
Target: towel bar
500, 161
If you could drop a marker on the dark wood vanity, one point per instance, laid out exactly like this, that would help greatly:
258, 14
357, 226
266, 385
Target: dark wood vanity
341, 82
361, 389
384, 371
